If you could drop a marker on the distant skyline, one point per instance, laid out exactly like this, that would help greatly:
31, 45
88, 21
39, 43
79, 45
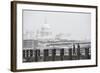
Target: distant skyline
76, 26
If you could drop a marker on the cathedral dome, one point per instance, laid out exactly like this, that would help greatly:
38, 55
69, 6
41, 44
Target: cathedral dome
46, 26
45, 32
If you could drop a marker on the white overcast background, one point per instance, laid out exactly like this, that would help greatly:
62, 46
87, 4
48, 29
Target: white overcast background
76, 26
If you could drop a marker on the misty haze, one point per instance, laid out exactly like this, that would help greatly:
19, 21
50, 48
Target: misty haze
56, 36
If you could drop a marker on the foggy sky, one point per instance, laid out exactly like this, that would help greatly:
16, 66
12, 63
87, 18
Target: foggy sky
76, 26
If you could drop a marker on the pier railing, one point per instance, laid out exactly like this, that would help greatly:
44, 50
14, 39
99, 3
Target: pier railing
54, 54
